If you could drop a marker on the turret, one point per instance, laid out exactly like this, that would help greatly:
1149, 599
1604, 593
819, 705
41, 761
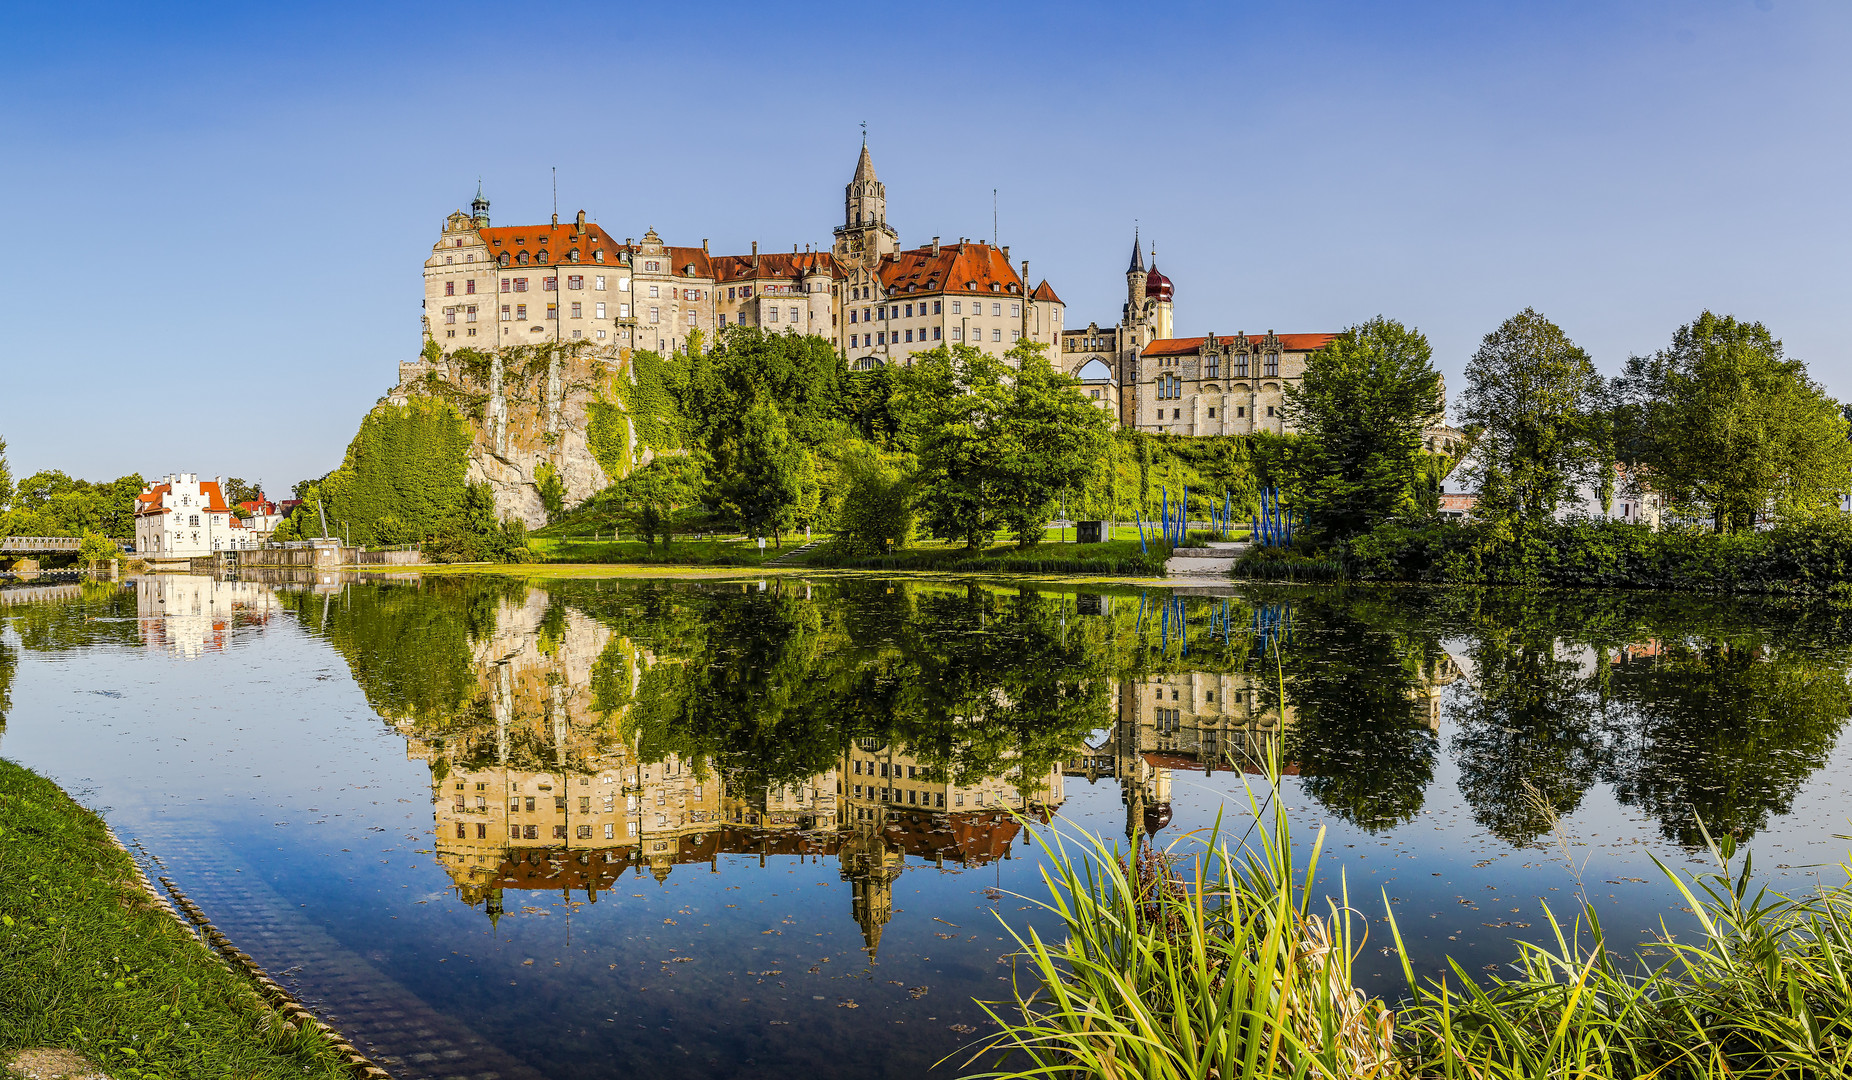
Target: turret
1135, 292
1158, 291
864, 235
479, 208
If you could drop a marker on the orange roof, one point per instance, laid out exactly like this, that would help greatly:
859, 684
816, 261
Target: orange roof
149, 502
560, 242
1188, 346
773, 265
1043, 292
966, 267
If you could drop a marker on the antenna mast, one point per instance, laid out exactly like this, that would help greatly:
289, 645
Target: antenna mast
993, 217
556, 194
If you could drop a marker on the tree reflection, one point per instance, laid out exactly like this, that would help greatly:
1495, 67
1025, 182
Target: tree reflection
1363, 680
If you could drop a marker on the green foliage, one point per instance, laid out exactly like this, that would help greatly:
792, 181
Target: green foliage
474, 535
407, 463
6, 480
607, 435
53, 504
1535, 394
655, 501
650, 399
876, 515
1724, 425
1362, 407
96, 548
1209, 958
551, 488
1805, 556
768, 474
90, 964
237, 491
1122, 558
995, 447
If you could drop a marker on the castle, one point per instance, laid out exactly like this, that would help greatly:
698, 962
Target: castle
489, 286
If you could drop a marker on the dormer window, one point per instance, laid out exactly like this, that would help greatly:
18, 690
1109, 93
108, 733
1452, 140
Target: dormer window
573, 254
598, 256
502, 259
541, 258
522, 259
520, 239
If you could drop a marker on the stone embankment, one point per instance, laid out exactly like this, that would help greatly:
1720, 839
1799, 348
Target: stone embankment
1214, 561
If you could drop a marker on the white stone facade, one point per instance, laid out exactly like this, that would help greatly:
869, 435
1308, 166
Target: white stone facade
184, 516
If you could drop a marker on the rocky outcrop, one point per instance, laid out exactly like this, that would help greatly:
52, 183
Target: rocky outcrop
534, 406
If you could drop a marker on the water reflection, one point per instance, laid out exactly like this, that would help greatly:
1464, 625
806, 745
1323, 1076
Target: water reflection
834, 761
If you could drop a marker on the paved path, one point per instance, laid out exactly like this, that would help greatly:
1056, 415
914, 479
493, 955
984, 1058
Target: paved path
1215, 561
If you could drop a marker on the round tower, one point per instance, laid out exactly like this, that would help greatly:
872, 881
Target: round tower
1158, 291
479, 208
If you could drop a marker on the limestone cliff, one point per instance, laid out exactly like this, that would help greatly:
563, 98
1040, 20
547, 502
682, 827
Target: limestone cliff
562, 406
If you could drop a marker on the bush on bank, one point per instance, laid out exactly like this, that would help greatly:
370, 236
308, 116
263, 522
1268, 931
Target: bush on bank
1118, 557
88, 964
1810, 556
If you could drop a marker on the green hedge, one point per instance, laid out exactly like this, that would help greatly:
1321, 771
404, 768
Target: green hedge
1811, 556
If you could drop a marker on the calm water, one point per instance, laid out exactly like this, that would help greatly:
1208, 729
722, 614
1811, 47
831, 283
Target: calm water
762, 828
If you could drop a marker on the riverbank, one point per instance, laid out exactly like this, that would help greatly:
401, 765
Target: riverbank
92, 965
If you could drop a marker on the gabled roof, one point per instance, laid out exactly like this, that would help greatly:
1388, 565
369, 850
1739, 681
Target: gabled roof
773, 265
1190, 346
149, 502
561, 241
957, 268
1044, 293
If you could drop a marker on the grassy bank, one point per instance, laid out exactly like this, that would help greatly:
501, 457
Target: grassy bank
1121, 557
1213, 959
730, 551
88, 964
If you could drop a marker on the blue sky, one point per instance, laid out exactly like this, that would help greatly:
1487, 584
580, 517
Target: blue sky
217, 214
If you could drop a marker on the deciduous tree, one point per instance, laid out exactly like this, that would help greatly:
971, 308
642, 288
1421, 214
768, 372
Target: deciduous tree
1533, 391
1722, 423
1362, 406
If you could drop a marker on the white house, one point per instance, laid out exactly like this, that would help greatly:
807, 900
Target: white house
184, 516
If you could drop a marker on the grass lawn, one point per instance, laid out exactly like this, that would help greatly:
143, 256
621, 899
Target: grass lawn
88, 964
719, 551
1118, 556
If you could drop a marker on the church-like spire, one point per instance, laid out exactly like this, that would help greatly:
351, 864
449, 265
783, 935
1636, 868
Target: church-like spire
865, 167
479, 206
1138, 256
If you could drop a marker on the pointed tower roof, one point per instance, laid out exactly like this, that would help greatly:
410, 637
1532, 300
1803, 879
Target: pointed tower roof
1138, 256
864, 167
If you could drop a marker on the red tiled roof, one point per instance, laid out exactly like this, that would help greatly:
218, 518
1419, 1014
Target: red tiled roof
561, 241
1043, 292
773, 265
1188, 346
149, 502
966, 267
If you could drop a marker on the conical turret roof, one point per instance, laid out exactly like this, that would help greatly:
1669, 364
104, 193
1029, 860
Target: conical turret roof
864, 168
1138, 257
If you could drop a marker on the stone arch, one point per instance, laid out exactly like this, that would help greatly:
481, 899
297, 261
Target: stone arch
1093, 369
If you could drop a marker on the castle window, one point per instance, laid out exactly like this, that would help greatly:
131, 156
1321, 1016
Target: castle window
505, 315
935, 333
1015, 310
522, 258
655, 315
503, 259
1212, 412
574, 254
550, 284
520, 284
520, 312
935, 307
909, 311
469, 287
598, 256
449, 259
599, 309
955, 307
577, 312
450, 288
575, 282
958, 334
653, 294
471, 316
1241, 365
996, 311
881, 339
1241, 411
1269, 410
1215, 364
598, 283
1273, 369
909, 335
469, 258
794, 315
652, 264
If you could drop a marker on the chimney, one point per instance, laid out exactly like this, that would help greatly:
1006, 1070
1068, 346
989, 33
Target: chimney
556, 221
581, 228
1025, 269
935, 245
794, 249
1006, 253
704, 245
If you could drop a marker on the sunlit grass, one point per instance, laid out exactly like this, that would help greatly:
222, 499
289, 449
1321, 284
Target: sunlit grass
1211, 958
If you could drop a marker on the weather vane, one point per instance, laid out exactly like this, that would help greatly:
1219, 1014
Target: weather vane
864, 133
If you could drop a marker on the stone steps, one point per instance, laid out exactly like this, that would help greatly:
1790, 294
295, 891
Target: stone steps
1216, 560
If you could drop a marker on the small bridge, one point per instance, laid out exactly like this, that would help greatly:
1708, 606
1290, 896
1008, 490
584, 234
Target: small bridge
25, 545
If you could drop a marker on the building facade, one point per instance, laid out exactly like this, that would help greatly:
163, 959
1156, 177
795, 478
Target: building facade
487, 286
184, 516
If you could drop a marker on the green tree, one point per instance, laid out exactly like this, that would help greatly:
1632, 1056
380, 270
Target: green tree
768, 477
876, 513
995, 446
50, 503
1723, 423
407, 462
1533, 392
551, 488
237, 491
6, 480
96, 548
1362, 406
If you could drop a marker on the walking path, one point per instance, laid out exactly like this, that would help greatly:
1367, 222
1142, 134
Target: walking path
1215, 561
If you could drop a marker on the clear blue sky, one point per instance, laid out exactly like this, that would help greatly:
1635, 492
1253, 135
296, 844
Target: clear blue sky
217, 213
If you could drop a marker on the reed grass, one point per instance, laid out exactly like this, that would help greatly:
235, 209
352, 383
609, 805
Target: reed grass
1214, 957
